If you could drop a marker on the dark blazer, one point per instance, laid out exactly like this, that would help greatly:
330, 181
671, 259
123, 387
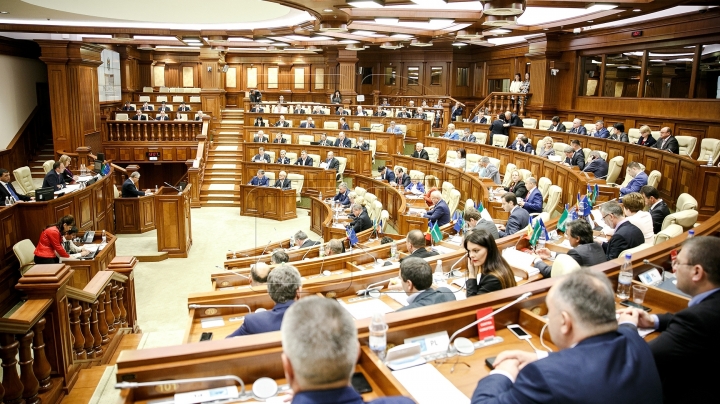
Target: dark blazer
405, 114
258, 139
650, 141
281, 160
166, 109
422, 253
578, 159
309, 243
281, 140
128, 108
129, 190
626, 236
559, 128
163, 118
364, 147
422, 116
345, 126
344, 112
671, 145
362, 222
388, 175
594, 371
265, 181
497, 128
345, 143
456, 111
518, 189
518, 220
533, 201
284, 184
53, 180
257, 109
308, 162
404, 180
305, 125
325, 143
284, 124
344, 199
602, 133
381, 113
688, 340
148, 108
186, 108
488, 283
580, 130
622, 137
345, 395
265, 321
527, 148
515, 121
599, 167
440, 213
265, 157
470, 138
488, 226
658, 215
333, 164
5, 194
255, 97
423, 154
139, 118
429, 297
586, 255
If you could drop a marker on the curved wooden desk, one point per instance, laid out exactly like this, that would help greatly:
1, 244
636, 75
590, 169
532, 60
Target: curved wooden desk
358, 161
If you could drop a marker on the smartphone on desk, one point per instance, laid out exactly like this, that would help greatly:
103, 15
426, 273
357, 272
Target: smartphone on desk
360, 383
490, 362
634, 305
519, 332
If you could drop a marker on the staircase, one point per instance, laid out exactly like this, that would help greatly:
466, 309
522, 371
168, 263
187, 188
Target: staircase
36, 165
222, 169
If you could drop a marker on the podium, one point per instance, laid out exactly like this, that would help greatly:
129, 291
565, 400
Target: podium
268, 202
134, 215
172, 220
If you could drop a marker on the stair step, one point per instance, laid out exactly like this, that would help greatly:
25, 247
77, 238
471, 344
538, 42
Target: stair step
225, 204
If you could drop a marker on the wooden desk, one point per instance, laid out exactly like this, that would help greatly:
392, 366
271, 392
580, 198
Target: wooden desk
172, 217
315, 180
134, 215
358, 162
85, 270
267, 202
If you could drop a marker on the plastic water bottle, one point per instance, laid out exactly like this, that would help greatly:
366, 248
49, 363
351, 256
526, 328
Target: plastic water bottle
320, 196
378, 335
104, 237
691, 233
156, 189
393, 250
438, 276
322, 248
625, 278
7, 201
541, 240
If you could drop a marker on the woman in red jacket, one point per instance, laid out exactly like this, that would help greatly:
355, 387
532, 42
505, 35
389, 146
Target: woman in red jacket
51, 242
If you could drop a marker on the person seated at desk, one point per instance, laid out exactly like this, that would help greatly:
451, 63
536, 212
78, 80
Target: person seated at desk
309, 123
584, 251
343, 196
599, 361
283, 286
320, 351
632, 205
129, 187
524, 145
394, 129
127, 107
639, 178
341, 111
184, 108
54, 178
282, 123
514, 144
488, 170
334, 247
626, 234
283, 159
362, 220
255, 96
404, 113
467, 136
67, 174
162, 117
343, 125
282, 181
139, 116
279, 138
420, 152
460, 160
163, 107
576, 156
415, 243
617, 132
302, 240
519, 217
50, 242
578, 128
386, 174
416, 279
596, 165
359, 111
261, 156
331, 163
419, 114
317, 110
178, 116
656, 206
199, 116
545, 147
556, 125
260, 179
667, 141
8, 191
416, 187
324, 140
260, 137
257, 108
440, 212
479, 117
361, 144
70, 247
517, 185
342, 141
475, 221
401, 179
485, 262
279, 256
259, 273
646, 138
304, 160
533, 202
600, 130
379, 112
299, 110
278, 108
688, 338
146, 107
451, 133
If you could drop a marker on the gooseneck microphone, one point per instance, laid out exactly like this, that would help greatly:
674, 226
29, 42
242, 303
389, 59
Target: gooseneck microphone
658, 267
175, 188
263, 251
310, 248
464, 257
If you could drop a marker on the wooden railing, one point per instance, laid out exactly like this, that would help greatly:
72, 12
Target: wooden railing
152, 131
497, 102
196, 168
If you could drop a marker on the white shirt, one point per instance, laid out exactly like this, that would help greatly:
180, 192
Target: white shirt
655, 204
643, 221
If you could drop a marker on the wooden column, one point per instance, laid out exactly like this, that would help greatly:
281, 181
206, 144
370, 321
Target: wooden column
74, 98
545, 88
347, 75
194, 179
129, 71
332, 80
211, 83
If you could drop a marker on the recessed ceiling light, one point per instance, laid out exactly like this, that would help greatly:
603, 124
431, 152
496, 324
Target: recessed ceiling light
264, 40
387, 21
401, 36
637, 10
328, 10
366, 3
459, 44
590, 20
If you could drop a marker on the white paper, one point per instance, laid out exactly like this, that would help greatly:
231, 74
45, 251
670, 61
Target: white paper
413, 197
442, 249
643, 332
398, 296
367, 308
84, 178
212, 322
520, 260
438, 390
416, 211
323, 165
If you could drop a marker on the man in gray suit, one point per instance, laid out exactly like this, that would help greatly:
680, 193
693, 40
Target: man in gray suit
476, 222
584, 250
416, 279
489, 171
519, 217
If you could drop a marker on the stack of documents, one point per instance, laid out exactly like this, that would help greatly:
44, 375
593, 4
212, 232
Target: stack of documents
367, 308
520, 260
427, 385
416, 211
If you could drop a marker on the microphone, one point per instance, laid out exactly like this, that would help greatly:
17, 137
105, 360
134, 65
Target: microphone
450, 272
658, 267
452, 350
232, 272
177, 189
263, 251
211, 306
371, 291
310, 248
376, 261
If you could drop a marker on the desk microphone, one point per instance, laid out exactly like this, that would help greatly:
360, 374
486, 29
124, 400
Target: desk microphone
376, 261
450, 272
177, 189
232, 272
658, 267
466, 343
310, 248
263, 251
370, 289
212, 306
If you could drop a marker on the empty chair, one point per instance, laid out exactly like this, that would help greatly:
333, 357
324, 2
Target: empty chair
544, 124
586, 152
271, 177
614, 168
567, 125
667, 233
147, 89
686, 202
376, 210
23, 177
416, 175
433, 153
589, 127
356, 126
454, 197
292, 156
195, 98
480, 137
403, 129
25, 252
121, 117
525, 174
360, 191
341, 169
709, 150
450, 156
559, 148
144, 98
446, 187
634, 135
271, 154
643, 246
499, 140
178, 98
315, 158
331, 139
654, 178
305, 139
48, 165
530, 123
161, 98
296, 182
544, 186
384, 218
687, 144
288, 138
684, 218
554, 194
603, 154
330, 125
369, 198
469, 204
563, 265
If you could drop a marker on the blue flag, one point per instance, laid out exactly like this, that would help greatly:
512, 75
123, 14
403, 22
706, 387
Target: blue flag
587, 207
544, 229
352, 236
459, 224
105, 170
574, 214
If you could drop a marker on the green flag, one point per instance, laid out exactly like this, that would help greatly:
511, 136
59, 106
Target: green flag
480, 207
535, 233
563, 220
435, 233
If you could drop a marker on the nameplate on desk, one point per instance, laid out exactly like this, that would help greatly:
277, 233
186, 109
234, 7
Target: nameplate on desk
212, 322
431, 344
651, 277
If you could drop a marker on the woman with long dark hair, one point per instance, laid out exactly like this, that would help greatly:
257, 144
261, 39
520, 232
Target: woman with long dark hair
51, 241
487, 269
336, 98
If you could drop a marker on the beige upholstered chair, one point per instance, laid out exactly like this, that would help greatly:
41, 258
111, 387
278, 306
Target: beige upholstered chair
643, 246
288, 138
507, 177
450, 156
373, 147
530, 123
341, 170
480, 137
403, 129
431, 181
633, 135
360, 191
48, 165
471, 160
331, 139
544, 186
144, 98
23, 178
147, 89
454, 197
356, 126
614, 168
384, 219
586, 152
525, 174
686, 202
272, 155
687, 144
563, 265
374, 210
709, 150
667, 233
330, 125
433, 153
568, 126
603, 154
554, 194
161, 98
589, 127
271, 177
499, 140
25, 252
178, 98
369, 199
417, 175
292, 156
316, 159
654, 178
559, 148
121, 117
296, 182
164, 90
446, 188
495, 162
684, 218
544, 124
469, 204
305, 139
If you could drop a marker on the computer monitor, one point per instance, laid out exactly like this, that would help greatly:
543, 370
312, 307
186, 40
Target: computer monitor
45, 194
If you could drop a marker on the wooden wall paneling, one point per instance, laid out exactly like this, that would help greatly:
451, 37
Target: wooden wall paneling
669, 170
89, 100
709, 195
85, 215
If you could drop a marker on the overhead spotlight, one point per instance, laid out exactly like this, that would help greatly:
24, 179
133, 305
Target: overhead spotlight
356, 47
366, 3
332, 26
499, 21
390, 45
421, 42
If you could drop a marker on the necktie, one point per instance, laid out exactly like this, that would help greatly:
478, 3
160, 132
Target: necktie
12, 193
663, 143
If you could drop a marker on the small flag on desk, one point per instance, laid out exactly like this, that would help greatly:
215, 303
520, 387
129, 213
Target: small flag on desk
587, 207
105, 170
544, 229
563, 219
379, 227
435, 233
534, 232
574, 214
459, 223
352, 236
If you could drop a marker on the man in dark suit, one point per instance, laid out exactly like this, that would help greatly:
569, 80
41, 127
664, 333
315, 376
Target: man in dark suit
304, 160
379, 112
283, 285
362, 144
556, 126
578, 128
343, 196
596, 165
183, 107
139, 116
497, 127
282, 181
279, 138
129, 187
128, 107
416, 278
401, 178
419, 114
584, 251
257, 108
324, 141
404, 113
420, 152
639, 178
302, 240
255, 96
415, 243
597, 358
524, 145
163, 107
261, 157
519, 217
440, 212
54, 178
656, 206
146, 107
667, 141
260, 137
343, 124
341, 111
457, 110
362, 221
283, 159
260, 179
308, 123
512, 120
199, 116
475, 221
298, 110
7, 190
317, 110
282, 123
331, 162
688, 338
533, 202
576, 156
386, 174
467, 136
342, 141
626, 236
162, 117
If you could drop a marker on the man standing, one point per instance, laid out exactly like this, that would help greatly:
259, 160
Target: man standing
497, 127
416, 279
343, 124
626, 235
598, 362
261, 157
54, 178
386, 174
689, 337
129, 187
282, 181
440, 212
519, 217
284, 286
456, 111
512, 120
639, 179
260, 179
415, 243
656, 206
578, 128
420, 152
7, 190
667, 141
533, 202
304, 160
596, 165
